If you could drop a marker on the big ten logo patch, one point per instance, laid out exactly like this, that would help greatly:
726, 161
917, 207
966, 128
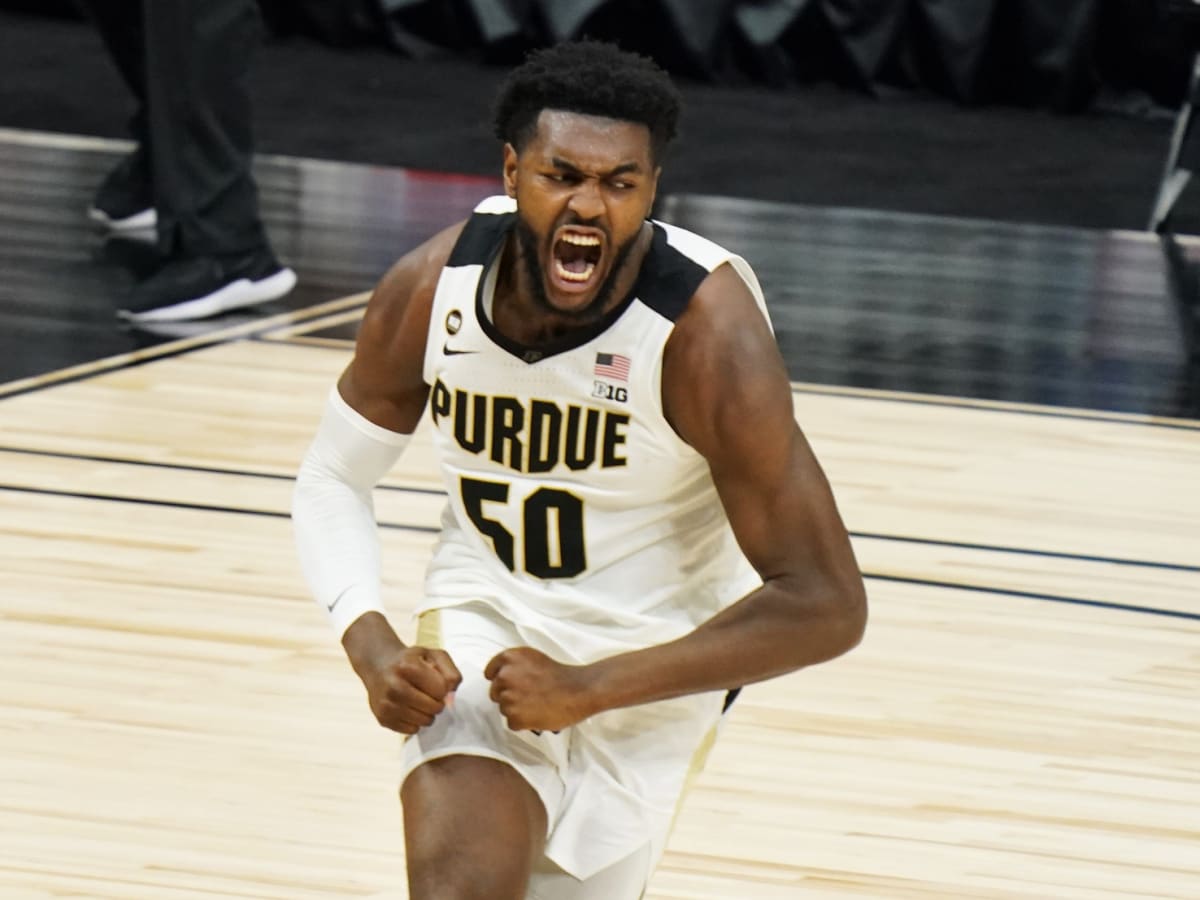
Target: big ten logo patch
607, 391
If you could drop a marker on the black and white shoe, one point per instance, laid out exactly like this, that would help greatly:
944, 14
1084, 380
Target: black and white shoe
124, 201
200, 287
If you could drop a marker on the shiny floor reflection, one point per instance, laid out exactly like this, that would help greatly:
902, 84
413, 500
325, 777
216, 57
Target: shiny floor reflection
953, 307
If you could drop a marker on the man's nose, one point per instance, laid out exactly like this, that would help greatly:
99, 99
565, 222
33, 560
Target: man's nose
586, 201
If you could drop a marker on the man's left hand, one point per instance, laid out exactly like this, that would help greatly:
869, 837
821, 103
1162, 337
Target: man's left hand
535, 693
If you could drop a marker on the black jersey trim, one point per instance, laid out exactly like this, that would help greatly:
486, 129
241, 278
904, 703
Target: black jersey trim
535, 354
666, 282
669, 278
481, 239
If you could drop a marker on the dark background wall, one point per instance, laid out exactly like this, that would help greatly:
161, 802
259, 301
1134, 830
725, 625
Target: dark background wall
1055, 111
1059, 53
1063, 54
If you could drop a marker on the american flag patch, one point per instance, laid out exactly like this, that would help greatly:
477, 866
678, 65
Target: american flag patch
612, 365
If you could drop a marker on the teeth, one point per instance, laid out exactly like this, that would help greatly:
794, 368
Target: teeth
567, 275
581, 240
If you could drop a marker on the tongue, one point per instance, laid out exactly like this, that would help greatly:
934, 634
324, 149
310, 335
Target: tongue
575, 265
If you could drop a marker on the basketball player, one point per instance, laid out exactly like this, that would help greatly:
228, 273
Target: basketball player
635, 528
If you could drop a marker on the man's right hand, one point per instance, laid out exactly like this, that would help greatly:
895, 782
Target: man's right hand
408, 689
406, 686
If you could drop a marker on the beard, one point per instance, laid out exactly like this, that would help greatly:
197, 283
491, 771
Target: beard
528, 244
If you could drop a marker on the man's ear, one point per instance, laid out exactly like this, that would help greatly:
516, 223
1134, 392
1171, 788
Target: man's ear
510, 170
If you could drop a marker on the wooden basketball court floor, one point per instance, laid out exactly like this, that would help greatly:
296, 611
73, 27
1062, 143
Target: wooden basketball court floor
1007, 414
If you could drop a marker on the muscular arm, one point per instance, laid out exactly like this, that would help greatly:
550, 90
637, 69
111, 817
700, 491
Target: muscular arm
380, 398
384, 382
727, 394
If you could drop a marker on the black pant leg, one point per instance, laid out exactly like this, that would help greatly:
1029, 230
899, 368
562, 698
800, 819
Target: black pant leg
120, 25
197, 62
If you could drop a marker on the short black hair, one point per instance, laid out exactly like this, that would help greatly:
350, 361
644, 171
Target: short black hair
589, 77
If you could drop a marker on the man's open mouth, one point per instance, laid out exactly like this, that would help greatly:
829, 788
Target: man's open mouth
576, 256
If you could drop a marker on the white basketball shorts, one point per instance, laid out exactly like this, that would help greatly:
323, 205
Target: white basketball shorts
611, 785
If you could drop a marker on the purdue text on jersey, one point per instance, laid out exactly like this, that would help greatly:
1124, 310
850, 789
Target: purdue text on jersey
537, 436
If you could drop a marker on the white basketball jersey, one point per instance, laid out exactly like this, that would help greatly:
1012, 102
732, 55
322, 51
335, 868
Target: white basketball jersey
574, 508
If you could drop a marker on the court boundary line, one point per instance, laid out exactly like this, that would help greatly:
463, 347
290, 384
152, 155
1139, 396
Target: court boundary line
1035, 595
1027, 551
439, 492
296, 337
302, 332
1001, 406
262, 331
178, 347
307, 341
188, 506
191, 467
424, 529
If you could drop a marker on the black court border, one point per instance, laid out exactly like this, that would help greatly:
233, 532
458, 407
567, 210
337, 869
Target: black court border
438, 492
427, 529
168, 351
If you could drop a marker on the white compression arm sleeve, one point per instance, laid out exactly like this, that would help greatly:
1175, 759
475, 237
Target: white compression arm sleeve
333, 514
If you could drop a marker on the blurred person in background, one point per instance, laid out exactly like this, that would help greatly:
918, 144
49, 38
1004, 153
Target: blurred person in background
189, 179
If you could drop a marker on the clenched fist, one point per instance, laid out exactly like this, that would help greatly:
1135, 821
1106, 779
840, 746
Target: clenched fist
407, 688
535, 693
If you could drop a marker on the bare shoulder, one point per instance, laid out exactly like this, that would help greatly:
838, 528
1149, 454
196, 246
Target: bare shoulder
384, 380
404, 296
722, 371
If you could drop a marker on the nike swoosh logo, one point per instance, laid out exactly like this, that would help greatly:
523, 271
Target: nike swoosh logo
447, 351
336, 601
